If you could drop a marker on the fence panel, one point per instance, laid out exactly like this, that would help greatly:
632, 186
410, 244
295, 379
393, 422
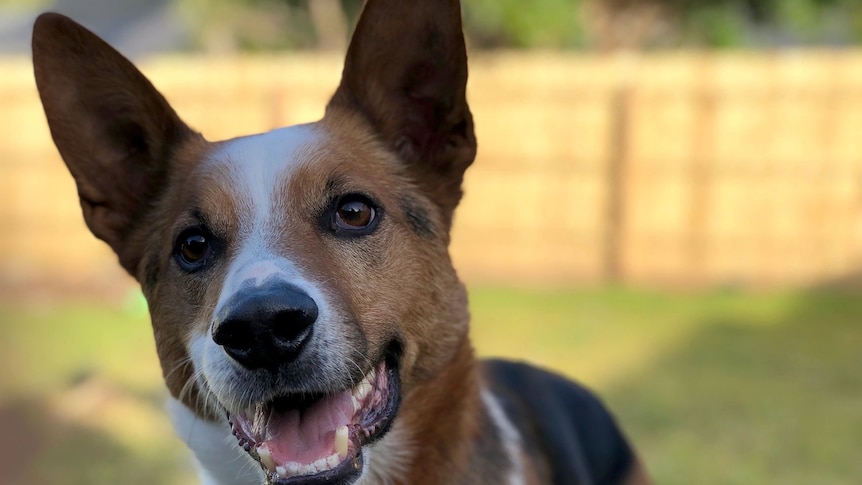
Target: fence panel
688, 169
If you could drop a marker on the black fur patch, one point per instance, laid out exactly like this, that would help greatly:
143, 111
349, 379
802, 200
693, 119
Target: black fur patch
417, 218
576, 435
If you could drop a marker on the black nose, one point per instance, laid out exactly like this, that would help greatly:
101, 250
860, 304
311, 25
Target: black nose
263, 327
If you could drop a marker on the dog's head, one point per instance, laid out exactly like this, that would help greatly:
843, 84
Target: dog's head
298, 280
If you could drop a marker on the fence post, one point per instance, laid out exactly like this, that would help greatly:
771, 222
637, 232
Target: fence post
701, 188
613, 266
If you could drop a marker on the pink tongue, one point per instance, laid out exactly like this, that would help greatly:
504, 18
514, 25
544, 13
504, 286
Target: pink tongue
303, 436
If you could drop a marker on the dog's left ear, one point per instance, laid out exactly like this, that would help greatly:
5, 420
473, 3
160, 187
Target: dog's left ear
406, 72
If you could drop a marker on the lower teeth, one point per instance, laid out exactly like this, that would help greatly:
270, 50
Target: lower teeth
293, 468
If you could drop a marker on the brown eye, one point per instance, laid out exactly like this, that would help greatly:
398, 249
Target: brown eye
354, 213
193, 249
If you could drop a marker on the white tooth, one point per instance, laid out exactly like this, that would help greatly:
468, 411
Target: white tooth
293, 468
307, 469
363, 390
282, 472
320, 464
341, 441
332, 461
356, 404
266, 458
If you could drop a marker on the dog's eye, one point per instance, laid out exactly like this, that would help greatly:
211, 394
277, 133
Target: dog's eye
354, 212
193, 249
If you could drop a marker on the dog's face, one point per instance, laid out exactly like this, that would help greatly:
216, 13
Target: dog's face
299, 281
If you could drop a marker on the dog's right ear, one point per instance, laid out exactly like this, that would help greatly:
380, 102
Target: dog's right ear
406, 73
113, 129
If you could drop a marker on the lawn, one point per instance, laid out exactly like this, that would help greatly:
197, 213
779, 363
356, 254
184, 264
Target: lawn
713, 387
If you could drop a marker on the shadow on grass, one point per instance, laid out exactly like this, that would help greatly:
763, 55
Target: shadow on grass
747, 402
40, 447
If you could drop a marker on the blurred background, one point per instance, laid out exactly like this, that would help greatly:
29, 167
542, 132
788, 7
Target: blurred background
666, 206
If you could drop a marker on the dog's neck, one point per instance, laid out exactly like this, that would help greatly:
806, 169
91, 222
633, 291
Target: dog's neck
445, 432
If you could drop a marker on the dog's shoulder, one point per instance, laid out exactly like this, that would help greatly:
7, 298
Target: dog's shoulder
562, 424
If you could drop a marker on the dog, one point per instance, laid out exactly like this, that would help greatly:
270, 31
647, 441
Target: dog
309, 323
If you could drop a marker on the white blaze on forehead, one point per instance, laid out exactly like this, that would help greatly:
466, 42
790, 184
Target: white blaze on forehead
258, 168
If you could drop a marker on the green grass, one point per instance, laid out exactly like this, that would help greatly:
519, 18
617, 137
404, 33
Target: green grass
714, 388
82, 400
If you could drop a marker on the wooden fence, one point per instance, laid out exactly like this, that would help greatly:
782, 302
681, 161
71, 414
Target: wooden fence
687, 169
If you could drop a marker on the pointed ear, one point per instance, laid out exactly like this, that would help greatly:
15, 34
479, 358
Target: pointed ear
406, 73
113, 129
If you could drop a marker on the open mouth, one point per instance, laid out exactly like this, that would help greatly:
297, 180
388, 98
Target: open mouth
305, 440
